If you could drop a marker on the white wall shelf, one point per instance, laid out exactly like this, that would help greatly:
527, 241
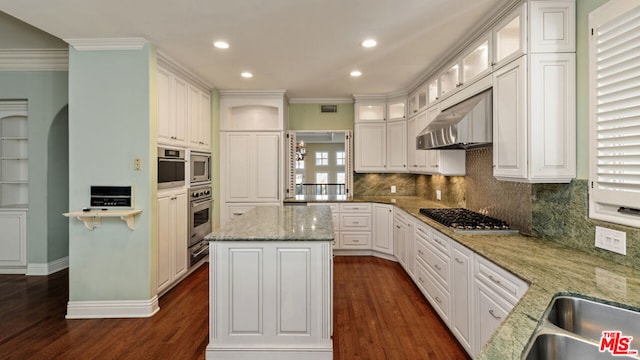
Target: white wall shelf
90, 218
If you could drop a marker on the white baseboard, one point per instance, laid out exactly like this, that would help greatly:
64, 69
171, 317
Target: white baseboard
37, 269
14, 270
349, 252
112, 309
225, 353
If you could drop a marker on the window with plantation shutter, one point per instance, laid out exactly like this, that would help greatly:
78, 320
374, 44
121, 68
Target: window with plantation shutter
614, 112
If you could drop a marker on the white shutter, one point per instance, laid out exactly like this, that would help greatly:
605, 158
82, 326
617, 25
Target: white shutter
348, 163
614, 112
291, 164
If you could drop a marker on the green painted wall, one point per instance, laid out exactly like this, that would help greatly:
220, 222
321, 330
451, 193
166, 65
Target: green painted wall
110, 124
46, 93
583, 7
309, 117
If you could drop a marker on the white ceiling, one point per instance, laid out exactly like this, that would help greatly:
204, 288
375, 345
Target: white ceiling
307, 47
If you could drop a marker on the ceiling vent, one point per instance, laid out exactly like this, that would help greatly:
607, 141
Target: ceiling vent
328, 108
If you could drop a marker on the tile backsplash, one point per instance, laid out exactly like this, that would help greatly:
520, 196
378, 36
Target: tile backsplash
555, 212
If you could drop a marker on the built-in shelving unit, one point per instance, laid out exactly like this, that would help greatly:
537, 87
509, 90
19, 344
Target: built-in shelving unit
14, 155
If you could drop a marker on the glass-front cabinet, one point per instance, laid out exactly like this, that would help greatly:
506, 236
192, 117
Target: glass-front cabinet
418, 100
371, 111
450, 79
508, 37
433, 90
476, 62
396, 108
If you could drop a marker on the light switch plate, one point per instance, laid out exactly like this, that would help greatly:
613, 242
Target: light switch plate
612, 240
438, 195
393, 189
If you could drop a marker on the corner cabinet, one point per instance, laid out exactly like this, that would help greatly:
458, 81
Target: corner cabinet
380, 142
383, 228
252, 150
534, 95
172, 238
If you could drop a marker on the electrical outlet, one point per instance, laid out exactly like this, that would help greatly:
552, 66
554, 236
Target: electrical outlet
438, 195
611, 240
393, 189
137, 164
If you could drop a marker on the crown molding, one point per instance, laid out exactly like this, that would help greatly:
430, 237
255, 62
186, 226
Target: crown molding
105, 44
34, 60
253, 93
175, 67
14, 107
324, 101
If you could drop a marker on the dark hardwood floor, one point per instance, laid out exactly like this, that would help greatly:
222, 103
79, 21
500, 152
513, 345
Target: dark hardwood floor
378, 314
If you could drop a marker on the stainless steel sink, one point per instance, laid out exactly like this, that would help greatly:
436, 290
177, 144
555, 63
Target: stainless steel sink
589, 318
572, 327
564, 347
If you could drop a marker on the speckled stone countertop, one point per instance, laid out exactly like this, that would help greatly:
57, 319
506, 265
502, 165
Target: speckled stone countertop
548, 267
283, 223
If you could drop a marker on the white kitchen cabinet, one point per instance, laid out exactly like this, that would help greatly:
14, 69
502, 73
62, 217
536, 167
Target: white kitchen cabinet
496, 292
370, 110
370, 141
416, 159
450, 80
418, 100
433, 90
199, 119
534, 133
462, 303
509, 37
355, 226
270, 300
251, 166
13, 242
476, 62
403, 240
397, 108
397, 146
172, 238
382, 228
173, 108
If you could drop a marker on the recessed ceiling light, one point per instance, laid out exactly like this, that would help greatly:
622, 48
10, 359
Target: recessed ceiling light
368, 43
221, 44
246, 75
356, 73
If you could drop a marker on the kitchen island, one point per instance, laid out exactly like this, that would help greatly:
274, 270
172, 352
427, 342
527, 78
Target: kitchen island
270, 277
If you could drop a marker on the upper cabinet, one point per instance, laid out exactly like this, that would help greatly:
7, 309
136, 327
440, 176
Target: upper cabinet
184, 108
509, 37
418, 100
450, 79
534, 95
433, 88
397, 108
475, 62
371, 110
253, 111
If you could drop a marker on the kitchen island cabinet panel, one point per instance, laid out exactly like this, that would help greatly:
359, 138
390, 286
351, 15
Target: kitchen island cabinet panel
271, 285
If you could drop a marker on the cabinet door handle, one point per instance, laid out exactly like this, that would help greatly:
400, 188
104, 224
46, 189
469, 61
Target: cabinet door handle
459, 261
437, 267
494, 279
438, 300
420, 252
494, 315
420, 279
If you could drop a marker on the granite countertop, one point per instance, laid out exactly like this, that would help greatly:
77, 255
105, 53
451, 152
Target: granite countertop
283, 223
548, 267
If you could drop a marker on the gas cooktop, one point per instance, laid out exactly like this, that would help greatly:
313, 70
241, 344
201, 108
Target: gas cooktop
467, 221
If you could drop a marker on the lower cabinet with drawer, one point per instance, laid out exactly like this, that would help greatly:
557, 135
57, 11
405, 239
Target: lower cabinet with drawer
355, 226
496, 292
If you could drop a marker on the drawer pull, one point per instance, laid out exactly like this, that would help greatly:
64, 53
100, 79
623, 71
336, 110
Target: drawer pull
356, 240
494, 315
420, 279
420, 252
438, 300
437, 267
356, 222
397, 226
494, 279
459, 261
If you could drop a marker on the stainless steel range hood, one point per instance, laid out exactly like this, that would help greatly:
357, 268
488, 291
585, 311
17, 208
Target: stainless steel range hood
466, 125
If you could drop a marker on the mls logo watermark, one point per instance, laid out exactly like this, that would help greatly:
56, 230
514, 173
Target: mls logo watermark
617, 344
